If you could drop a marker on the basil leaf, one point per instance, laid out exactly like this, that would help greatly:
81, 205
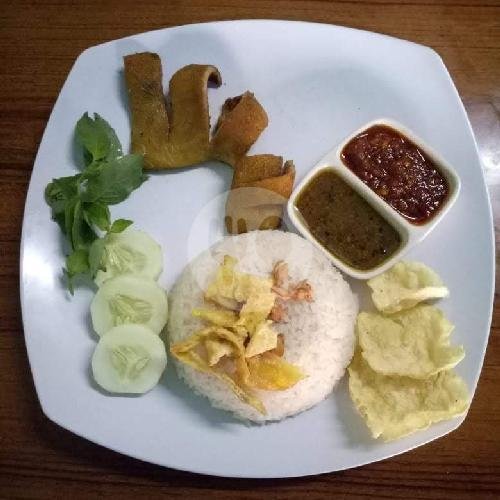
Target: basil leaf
98, 139
115, 147
69, 217
78, 231
97, 214
76, 228
95, 255
115, 180
76, 263
80, 202
59, 218
59, 191
120, 225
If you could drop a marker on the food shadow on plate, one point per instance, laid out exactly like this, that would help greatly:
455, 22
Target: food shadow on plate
198, 405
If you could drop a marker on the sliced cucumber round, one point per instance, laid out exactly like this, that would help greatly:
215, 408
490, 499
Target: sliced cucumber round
130, 252
129, 359
129, 299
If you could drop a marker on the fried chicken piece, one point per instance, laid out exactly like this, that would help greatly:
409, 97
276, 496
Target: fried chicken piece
240, 124
281, 292
278, 312
150, 125
280, 273
279, 350
190, 128
182, 139
257, 167
302, 291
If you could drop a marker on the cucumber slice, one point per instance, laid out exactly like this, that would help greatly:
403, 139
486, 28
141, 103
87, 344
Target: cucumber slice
130, 252
129, 299
129, 359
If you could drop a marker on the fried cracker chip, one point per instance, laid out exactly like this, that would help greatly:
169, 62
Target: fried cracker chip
394, 407
413, 343
405, 285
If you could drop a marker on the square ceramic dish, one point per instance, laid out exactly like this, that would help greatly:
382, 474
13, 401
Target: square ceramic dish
411, 234
317, 84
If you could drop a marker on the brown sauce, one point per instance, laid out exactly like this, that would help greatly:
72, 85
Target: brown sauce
398, 171
345, 223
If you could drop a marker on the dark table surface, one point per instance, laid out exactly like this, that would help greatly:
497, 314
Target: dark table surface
39, 41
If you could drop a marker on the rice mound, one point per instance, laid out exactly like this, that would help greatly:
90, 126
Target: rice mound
319, 336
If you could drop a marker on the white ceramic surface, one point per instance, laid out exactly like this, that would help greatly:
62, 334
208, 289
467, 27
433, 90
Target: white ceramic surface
317, 83
411, 234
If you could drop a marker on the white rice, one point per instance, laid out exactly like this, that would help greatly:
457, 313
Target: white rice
319, 336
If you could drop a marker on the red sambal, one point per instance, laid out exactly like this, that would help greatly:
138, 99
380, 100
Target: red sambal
398, 171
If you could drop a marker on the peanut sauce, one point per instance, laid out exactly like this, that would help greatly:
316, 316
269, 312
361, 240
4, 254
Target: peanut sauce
344, 223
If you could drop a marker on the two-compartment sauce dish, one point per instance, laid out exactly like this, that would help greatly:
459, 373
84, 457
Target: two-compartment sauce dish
371, 199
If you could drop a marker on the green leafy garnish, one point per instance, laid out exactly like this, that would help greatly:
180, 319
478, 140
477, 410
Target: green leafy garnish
97, 214
59, 191
76, 263
95, 255
114, 181
119, 225
80, 202
98, 139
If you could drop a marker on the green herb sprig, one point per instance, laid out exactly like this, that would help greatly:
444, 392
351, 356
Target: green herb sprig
80, 203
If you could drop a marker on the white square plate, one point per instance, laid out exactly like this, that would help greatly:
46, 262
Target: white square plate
317, 83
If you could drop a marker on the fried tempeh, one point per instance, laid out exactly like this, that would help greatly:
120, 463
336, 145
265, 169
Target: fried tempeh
240, 124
